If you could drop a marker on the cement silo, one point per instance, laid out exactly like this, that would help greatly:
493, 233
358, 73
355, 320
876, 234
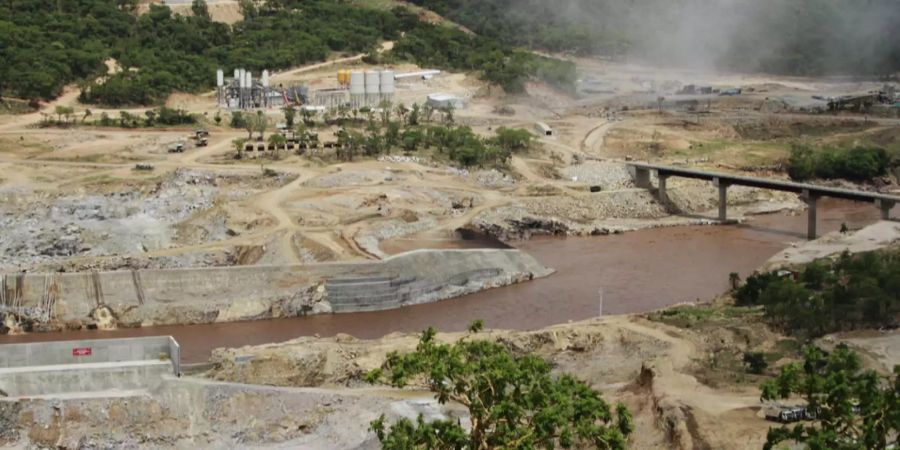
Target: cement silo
357, 88
220, 84
343, 77
373, 87
387, 85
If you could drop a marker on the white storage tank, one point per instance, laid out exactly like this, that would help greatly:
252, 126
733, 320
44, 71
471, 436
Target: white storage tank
387, 84
373, 87
220, 78
357, 88
373, 83
357, 83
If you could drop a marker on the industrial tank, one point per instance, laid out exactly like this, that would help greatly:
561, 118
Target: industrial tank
373, 83
373, 87
343, 77
387, 84
357, 83
357, 88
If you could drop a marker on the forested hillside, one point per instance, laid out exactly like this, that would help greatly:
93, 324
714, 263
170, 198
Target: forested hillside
801, 37
44, 48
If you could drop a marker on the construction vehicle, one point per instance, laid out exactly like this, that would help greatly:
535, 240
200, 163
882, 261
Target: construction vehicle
177, 147
790, 414
202, 142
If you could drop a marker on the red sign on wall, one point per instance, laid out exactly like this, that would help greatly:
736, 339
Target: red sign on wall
81, 351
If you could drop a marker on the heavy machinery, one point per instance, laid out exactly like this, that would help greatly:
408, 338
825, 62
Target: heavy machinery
177, 147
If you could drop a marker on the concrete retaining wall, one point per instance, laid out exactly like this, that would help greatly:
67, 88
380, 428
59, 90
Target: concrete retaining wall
187, 296
46, 368
84, 378
33, 354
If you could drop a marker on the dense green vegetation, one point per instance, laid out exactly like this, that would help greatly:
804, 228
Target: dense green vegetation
449, 48
854, 291
417, 130
65, 116
173, 52
534, 24
801, 37
45, 48
856, 409
856, 164
513, 401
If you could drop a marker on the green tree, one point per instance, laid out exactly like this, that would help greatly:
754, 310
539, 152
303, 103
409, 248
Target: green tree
289, 115
261, 124
151, 117
414, 113
277, 141
200, 9
238, 145
513, 401
513, 139
755, 362
308, 116
238, 120
411, 139
60, 111
855, 409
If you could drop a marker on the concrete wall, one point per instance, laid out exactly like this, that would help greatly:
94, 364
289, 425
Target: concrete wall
84, 378
33, 354
47, 368
223, 294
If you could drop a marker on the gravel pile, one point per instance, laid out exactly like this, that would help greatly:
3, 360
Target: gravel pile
493, 179
40, 230
352, 178
608, 175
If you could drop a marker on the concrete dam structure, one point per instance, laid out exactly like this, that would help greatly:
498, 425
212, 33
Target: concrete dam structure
107, 300
93, 365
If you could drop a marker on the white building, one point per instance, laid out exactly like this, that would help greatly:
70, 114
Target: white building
444, 101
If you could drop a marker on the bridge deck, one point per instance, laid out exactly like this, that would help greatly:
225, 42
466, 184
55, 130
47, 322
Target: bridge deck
788, 186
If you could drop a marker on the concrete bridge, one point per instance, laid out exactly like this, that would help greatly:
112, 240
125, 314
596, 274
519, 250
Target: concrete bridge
808, 192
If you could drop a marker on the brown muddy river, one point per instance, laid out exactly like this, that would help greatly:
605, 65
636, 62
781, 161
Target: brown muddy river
636, 272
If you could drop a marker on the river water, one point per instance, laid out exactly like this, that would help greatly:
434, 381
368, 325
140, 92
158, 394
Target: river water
632, 272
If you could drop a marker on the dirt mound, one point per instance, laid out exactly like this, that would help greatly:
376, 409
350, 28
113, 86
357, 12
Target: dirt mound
647, 365
781, 128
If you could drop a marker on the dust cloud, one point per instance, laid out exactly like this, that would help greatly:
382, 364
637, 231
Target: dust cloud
798, 37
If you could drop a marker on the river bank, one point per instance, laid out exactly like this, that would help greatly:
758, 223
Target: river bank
638, 272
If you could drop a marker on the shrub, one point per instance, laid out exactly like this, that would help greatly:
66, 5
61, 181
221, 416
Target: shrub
755, 362
513, 401
856, 164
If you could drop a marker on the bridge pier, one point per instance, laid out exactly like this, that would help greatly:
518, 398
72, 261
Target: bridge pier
723, 198
811, 213
642, 177
885, 206
663, 195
